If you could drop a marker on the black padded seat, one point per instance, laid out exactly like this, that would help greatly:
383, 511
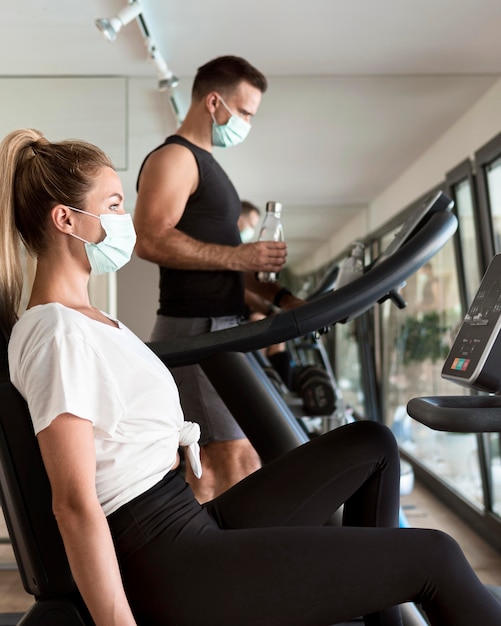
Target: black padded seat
26, 505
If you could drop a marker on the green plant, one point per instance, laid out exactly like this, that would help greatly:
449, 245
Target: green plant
423, 338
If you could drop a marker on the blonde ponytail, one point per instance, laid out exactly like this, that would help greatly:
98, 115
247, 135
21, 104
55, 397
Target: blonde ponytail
35, 176
12, 149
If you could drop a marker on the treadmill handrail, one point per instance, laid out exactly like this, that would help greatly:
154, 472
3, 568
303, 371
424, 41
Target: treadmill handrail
348, 301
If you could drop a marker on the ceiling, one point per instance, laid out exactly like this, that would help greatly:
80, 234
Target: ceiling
358, 90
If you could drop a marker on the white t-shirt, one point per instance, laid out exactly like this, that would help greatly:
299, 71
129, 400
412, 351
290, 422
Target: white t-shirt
61, 361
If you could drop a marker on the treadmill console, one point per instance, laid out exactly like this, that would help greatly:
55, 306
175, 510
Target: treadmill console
437, 202
475, 358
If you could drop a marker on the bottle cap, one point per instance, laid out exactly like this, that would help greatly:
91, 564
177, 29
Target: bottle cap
273, 207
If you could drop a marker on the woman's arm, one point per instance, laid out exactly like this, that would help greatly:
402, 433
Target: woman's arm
68, 453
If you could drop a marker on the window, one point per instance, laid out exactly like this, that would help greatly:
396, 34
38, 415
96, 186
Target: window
348, 368
488, 164
461, 188
493, 175
415, 343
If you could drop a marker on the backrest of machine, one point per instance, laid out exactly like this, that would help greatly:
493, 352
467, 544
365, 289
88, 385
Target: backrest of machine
26, 498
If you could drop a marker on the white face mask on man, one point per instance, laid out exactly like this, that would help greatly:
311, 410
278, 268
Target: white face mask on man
247, 234
115, 250
230, 134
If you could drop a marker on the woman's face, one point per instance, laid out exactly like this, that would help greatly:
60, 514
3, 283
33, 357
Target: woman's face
106, 196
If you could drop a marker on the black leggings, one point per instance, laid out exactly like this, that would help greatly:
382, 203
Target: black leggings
260, 554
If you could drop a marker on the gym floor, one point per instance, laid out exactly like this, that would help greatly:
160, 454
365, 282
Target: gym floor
422, 509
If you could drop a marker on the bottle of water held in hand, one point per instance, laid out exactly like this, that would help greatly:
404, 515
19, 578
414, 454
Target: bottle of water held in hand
271, 230
352, 267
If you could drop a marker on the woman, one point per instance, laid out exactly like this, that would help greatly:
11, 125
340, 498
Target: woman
107, 417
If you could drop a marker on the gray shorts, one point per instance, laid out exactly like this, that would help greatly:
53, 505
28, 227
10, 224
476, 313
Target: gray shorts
199, 399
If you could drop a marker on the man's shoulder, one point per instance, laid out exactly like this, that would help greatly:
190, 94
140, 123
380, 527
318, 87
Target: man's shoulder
171, 153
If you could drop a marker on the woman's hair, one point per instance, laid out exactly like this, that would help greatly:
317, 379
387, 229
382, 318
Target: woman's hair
224, 74
35, 176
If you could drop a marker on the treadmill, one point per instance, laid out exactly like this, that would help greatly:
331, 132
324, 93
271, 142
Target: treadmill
223, 354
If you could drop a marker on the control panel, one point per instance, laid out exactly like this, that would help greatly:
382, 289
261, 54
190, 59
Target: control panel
475, 358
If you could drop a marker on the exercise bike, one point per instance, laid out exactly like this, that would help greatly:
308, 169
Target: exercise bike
24, 486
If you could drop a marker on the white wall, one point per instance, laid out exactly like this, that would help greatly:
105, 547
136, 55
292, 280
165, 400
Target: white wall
476, 127
93, 108
150, 120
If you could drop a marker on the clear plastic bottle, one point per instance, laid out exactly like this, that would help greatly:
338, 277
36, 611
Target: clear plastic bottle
271, 230
352, 267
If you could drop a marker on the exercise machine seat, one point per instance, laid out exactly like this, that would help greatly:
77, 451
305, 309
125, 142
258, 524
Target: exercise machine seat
26, 504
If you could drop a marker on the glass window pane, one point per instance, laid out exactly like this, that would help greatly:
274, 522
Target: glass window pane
495, 452
493, 172
416, 341
467, 235
347, 367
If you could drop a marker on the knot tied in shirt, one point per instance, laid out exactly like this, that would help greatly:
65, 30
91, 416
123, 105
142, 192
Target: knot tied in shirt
189, 434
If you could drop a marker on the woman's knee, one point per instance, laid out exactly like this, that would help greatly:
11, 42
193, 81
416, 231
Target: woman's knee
446, 547
443, 551
377, 437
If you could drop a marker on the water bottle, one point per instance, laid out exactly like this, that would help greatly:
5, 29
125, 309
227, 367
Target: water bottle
352, 267
271, 230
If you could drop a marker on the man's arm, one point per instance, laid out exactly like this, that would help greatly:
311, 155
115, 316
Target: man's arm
270, 292
169, 177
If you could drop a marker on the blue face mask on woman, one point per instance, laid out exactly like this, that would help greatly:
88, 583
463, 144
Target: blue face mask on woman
230, 134
115, 250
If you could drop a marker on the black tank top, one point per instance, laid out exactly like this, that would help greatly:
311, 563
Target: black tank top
211, 216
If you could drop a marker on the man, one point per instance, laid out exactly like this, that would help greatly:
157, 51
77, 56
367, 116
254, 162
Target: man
186, 220
248, 221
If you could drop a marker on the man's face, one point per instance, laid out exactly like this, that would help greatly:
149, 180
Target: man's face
243, 101
251, 220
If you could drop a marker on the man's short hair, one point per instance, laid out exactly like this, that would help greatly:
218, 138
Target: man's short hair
248, 207
224, 74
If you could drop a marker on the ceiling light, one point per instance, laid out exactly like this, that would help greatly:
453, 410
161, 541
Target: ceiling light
168, 82
111, 26
166, 79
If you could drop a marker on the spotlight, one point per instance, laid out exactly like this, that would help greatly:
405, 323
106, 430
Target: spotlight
166, 79
168, 82
111, 26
